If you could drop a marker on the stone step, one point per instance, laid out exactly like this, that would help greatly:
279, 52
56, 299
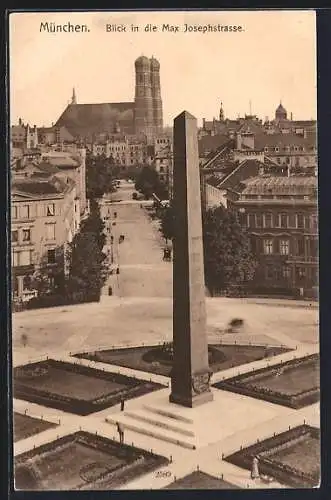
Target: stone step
153, 431
159, 421
169, 414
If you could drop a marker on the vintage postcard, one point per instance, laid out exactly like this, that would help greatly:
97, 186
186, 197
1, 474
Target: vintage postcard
164, 250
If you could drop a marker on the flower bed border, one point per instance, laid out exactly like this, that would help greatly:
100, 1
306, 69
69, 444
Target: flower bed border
271, 467
135, 467
238, 384
133, 388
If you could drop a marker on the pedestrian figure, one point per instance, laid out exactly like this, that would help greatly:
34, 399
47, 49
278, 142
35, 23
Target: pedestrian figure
120, 432
122, 404
115, 215
118, 270
255, 468
112, 239
110, 290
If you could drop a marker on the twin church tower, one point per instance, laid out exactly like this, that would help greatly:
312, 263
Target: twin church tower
148, 114
141, 116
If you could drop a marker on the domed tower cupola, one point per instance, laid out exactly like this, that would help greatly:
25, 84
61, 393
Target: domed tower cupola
281, 113
142, 63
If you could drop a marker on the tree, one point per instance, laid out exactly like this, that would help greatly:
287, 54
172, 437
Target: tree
87, 261
49, 278
148, 182
100, 174
94, 223
229, 262
167, 223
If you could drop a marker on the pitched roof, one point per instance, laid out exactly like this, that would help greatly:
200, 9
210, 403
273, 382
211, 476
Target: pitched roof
245, 170
210, 143
41, 185
281, 140
84, 120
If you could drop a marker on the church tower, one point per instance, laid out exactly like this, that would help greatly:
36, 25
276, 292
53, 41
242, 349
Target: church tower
144, 116
73, 98
156, 95
221, 115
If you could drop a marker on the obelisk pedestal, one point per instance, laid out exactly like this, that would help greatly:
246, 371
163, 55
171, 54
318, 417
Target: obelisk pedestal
190, 374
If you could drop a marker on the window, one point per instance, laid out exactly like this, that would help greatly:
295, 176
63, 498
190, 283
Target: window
268, 246
313, 248
25, 258
300, 221
50, 209
26, 233
24, 212
292, 220
251, 220
258, 220
283, 220
269, 272
306, 222
50, 231
284, 247
161, 169
51, 256
314, 222
300, 246
15, 259
268, 220
14, 236
286, 272
301, 273
14, 212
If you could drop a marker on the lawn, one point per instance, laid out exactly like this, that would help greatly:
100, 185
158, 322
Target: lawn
150, 359
82, 461
25, 426
74, 388
200, 481
294, 383
292, 457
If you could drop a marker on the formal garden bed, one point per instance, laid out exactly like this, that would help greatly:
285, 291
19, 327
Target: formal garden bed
74, 388
198, 480
25, 426
158, 359
292, 457
294, 383
82, 461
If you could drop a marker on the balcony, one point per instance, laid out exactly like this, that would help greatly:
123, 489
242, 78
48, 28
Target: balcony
301, 259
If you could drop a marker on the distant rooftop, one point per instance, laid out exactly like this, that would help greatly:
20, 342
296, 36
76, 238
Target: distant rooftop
278, 185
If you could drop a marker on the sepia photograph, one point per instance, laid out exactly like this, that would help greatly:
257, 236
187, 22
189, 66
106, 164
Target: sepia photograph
164, 250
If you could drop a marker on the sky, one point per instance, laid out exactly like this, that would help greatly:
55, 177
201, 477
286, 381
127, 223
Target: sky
272, 59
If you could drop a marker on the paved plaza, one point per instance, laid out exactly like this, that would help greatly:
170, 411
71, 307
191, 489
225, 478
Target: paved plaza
140, 311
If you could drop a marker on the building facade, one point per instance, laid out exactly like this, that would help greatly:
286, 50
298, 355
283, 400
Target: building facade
42, 224
280, 215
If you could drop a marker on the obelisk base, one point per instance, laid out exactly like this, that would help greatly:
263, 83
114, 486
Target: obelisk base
191, 401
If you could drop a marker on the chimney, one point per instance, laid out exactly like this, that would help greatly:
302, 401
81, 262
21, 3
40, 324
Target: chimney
291, 116
203, 122
20, 122
239, 141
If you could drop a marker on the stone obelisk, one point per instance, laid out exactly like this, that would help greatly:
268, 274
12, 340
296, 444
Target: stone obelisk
190, 374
